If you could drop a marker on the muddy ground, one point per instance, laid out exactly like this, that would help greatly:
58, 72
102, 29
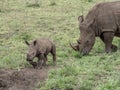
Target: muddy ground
23, 79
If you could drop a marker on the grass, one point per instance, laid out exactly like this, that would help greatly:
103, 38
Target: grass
56, 20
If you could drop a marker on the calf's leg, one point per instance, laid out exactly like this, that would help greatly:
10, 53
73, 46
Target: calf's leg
40, 63
44, 63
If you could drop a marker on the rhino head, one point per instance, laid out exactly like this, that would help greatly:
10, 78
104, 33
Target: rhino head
87, 36
32, 52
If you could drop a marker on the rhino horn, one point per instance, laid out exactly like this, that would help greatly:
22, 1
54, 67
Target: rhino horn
75, 47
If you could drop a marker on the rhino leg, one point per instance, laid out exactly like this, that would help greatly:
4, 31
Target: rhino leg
40, 62
34, 64
113, 47
53, 52
107, 38
44, 63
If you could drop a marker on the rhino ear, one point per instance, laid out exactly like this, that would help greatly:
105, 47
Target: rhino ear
81, 18
34, 42
27, 43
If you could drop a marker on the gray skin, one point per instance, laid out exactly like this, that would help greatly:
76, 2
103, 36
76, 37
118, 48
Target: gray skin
40, 48
102, 21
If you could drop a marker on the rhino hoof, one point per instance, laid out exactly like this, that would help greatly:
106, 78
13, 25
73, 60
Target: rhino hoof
34, 64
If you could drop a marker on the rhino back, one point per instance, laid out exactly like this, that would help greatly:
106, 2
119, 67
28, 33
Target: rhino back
44, 45
106, 15
116, 11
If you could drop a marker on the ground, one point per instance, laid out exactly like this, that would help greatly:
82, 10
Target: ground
23, 79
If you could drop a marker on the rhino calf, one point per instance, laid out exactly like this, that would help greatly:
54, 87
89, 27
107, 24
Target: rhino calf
40, 48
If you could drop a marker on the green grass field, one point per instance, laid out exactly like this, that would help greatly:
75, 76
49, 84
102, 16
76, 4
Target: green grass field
56, 19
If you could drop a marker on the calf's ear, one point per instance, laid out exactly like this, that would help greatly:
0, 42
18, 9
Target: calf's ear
81, 18
27, 43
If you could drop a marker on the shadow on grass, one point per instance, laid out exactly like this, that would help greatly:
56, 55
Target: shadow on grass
52, 4
33, 5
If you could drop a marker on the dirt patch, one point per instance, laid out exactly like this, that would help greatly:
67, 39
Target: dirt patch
24, 79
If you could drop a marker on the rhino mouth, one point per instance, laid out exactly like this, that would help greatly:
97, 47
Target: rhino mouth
84, 52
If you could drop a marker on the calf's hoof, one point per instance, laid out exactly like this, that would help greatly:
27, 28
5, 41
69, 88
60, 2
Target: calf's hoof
39, 67
34, 64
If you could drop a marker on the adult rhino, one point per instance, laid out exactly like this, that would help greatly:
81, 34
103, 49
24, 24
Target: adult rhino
103, 20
